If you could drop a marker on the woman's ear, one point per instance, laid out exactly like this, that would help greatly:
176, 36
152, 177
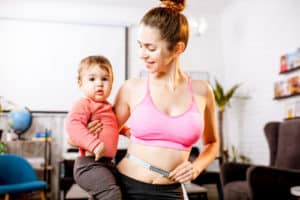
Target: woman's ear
179, 48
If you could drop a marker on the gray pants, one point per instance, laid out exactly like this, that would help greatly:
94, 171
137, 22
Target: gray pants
97, 178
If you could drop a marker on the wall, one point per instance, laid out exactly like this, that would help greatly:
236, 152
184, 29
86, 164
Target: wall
255, 34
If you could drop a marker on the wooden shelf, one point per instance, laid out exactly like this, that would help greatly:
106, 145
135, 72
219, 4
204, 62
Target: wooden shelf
41, 168
290, 70
285, 119
285, 97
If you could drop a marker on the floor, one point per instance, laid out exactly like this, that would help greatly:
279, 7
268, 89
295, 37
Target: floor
212, 192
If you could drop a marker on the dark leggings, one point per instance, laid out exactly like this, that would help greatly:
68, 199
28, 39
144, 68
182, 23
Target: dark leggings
97, 178
136, 190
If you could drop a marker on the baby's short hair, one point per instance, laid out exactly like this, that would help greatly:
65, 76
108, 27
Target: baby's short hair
98, 60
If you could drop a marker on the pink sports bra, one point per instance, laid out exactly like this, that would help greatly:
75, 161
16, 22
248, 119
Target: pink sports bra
150, 126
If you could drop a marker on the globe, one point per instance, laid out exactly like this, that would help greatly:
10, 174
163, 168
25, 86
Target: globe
20, 121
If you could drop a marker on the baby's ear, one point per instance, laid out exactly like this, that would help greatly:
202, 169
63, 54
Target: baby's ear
79, 83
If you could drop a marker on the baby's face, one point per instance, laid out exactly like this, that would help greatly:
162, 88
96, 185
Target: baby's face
96, 83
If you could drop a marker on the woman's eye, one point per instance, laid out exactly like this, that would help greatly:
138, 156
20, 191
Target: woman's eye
92, 79
150, 48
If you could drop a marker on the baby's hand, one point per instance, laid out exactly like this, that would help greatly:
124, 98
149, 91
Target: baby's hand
99, 151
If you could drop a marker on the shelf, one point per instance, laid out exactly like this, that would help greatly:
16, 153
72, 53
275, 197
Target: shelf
290, 70
285, 119
33, 140
285, 97
41, 168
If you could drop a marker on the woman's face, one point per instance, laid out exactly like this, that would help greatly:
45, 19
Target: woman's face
153, 50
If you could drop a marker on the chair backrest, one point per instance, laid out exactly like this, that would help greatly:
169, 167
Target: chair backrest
271, 133
284, 140
15, 169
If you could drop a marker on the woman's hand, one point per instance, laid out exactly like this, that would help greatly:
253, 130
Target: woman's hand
184, 172
95, 127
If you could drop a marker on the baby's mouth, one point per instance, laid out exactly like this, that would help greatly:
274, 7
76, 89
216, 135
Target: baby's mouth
99, 92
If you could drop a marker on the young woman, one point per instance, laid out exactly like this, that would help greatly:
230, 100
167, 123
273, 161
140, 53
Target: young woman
167, 112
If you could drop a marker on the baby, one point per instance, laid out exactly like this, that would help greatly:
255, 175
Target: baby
94, 170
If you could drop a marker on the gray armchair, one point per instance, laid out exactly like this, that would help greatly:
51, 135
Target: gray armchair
243, 181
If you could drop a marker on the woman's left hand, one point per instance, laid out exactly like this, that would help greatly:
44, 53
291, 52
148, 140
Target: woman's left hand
184, 172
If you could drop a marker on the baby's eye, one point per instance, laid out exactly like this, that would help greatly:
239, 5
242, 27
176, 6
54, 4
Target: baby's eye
105, 79
91, 79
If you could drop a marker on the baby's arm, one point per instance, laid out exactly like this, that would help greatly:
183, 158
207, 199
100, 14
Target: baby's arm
76, 127
99, 151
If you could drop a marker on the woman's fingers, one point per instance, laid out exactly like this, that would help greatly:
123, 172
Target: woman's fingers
92, 124
95, 127
182, 173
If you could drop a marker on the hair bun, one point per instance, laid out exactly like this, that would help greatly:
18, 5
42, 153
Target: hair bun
177, 5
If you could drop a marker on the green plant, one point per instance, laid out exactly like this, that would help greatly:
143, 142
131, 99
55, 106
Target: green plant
222, 100
3, 147
235, 156
0, 104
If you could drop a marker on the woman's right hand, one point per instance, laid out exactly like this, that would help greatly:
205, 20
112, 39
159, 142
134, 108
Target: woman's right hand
95, 127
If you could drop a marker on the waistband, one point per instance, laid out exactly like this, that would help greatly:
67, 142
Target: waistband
147, 186
147, 165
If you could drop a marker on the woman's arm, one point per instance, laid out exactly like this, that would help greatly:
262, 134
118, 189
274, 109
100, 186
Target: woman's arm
121, 104
210, 135
188, 171
124, 130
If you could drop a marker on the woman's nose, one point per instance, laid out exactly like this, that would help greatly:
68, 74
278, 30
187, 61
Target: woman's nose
143, 53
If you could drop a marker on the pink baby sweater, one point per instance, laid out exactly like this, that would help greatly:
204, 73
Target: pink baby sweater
84, 111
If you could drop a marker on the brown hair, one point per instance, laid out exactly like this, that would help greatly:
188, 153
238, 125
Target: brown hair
100, 61
173, 25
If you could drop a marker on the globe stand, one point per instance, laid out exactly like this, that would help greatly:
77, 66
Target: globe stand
19, 133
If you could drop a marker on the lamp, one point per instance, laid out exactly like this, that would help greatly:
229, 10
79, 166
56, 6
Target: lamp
197, 26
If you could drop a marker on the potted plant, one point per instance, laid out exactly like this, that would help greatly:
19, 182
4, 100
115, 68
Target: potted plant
222, 100
3, 146
235, 156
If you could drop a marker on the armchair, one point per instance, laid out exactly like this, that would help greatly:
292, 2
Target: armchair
18, 177
244, 181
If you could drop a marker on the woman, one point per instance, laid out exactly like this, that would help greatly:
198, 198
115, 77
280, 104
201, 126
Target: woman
167, 112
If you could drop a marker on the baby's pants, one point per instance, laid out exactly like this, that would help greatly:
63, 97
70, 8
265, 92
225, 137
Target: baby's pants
97, 178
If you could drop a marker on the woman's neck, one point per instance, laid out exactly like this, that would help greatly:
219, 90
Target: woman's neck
171, 78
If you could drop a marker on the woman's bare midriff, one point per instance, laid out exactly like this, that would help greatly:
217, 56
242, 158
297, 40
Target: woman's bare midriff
164, 158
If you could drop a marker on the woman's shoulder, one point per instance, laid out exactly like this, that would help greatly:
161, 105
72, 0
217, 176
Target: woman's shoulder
133, 83
202, 87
